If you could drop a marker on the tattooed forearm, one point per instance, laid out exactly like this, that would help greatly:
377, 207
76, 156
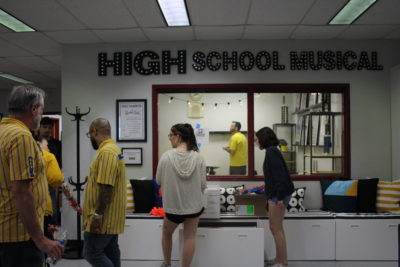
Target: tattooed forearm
105, 192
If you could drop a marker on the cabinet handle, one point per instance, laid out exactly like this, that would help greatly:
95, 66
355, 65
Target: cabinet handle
242, 235
315, 225
392, 225
355, 226
160, 225
127, 225
201, 235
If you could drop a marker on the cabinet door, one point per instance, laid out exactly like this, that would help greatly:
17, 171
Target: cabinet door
233, 247
305, 239
374, 239
142, 240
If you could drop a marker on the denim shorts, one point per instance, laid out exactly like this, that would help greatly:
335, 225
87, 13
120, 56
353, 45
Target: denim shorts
285, 200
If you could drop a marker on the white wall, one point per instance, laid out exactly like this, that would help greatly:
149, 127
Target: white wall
395, 116
369, 94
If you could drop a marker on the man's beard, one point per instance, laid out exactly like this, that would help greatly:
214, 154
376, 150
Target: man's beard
94, 144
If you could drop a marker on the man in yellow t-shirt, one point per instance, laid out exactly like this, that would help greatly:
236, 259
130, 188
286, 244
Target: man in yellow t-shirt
105, 198
23, 183
237, 150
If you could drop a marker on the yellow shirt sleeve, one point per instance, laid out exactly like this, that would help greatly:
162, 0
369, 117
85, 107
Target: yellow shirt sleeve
107, 168
23, 158
53, 172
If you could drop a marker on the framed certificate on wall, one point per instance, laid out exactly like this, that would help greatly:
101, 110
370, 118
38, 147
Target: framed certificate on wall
133, 156
131, 120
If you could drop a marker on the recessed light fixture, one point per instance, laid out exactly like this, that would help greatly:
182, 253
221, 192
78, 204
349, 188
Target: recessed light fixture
351, 11
13, 23
14, 78
174, 12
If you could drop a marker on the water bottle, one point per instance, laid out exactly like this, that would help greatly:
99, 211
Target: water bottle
59, 236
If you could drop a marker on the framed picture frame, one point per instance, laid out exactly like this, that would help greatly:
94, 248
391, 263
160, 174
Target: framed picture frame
133, 155
131, 120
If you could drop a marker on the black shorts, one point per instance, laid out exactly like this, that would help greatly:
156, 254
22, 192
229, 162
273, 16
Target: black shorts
181, 218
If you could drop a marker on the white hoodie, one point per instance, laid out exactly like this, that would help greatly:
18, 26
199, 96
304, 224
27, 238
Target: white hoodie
182, 176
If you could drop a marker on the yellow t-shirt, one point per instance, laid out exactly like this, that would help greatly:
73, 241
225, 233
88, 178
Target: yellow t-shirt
54, 177
108, 168
20, 159
238, 143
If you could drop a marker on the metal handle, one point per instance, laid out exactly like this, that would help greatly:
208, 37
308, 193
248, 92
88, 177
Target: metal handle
315, 225
201, 235
355, 226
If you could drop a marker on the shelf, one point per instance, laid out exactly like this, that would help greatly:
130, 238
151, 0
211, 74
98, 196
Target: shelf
284, 124
321, 172
319, 105
225, 132
323, 156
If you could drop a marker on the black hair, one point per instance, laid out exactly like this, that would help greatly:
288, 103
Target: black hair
267, 137
237, 125
46, 121
185, 131
37, 138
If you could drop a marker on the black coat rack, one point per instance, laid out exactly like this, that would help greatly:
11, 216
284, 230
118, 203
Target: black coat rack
78, 185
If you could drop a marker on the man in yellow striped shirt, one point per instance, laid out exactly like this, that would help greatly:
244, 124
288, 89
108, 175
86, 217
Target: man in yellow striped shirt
105, 198
23, 184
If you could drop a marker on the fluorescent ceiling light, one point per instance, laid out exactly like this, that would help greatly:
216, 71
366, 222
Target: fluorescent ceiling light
13, 23
174, 12
14, 78
351, 11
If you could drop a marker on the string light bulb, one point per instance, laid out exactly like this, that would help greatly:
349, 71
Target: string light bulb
188, 102
229, 105
170, 99
202, 106
215, 106
240, 102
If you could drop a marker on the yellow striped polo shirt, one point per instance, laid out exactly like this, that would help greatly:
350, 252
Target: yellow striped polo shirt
20, 159
107, 168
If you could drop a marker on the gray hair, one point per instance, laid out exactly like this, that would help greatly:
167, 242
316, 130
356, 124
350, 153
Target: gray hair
22, 98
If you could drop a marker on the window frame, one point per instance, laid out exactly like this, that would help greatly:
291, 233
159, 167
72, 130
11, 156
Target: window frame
251, 89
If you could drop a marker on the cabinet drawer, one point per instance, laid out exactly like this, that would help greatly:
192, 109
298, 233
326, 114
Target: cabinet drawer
375, 239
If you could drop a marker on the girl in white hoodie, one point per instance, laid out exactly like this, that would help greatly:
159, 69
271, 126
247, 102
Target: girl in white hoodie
181, 172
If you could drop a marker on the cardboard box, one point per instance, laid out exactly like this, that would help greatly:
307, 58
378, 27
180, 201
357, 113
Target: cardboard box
251, 204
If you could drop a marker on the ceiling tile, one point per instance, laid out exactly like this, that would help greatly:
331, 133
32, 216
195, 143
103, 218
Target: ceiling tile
322, 12
9, 49
35, 42
170, 34
218, 33
101, 14
147, 13
394, 35
34, 63
43, 15
267, 32
8, 66
54, 59
121, 36
382, 12
221, 12
74, 37
317, 32
278, 12
366, 32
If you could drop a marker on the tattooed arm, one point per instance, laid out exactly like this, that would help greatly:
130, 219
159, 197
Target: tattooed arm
104, 199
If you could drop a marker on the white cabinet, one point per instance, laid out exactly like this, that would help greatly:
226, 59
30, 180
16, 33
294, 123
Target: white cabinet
306, 239
229, 246
142, 240
367, 239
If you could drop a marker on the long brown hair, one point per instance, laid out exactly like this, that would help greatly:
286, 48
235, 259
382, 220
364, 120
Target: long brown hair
185, 131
